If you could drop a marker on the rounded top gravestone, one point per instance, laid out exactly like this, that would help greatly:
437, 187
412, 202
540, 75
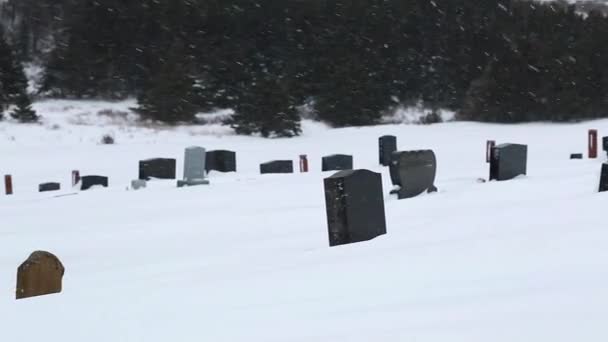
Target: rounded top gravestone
41, 274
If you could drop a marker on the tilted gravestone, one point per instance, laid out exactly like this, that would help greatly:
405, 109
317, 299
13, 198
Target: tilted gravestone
220, 160
413, 172
88, 182
337, 162
604, 178
138, 184
277, 166
508, 161
194, 167
41, 274
161, 168
44, 187
386, 146
576, 156
355, 206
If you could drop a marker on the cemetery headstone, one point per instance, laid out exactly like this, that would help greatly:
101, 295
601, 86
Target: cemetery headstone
337, 162
41, 274
194, 167
386, 145
489, 146
138, 184
592, 143
576, 156
75, 177
355, 206
604, 178
8, 184
605, 144
508, 161
161, 168
277, 166
44, 187
303, 163
88, 182
413, 172
220, 160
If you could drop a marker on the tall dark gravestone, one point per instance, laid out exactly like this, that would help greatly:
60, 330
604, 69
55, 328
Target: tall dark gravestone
337, 162
88, 182
386, 145
413, 172
221, 160
161, 168
45, 187
508, 161
277, 166
354, 202
41, 274
604, 178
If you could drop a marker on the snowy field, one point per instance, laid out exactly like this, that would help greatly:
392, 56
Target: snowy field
247, 258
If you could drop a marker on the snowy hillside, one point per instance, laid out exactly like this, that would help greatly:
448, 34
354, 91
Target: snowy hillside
247, 258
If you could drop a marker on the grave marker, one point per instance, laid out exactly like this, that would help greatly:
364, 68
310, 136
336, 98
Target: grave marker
605, 144
592, 143
138, 184
277, 166
88, 182
604, 178
194, 167
576, 156
413, 172
355, 206
489, 146
303, 163
337, 162
508, 161
45, 187
161, 168
8, 184
41, 274
220, 160
75, 177
387, 144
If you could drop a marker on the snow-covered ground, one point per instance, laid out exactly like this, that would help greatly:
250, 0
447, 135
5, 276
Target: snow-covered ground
247, 258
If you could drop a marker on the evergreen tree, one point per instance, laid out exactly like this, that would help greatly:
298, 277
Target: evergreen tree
13, 82
23, 111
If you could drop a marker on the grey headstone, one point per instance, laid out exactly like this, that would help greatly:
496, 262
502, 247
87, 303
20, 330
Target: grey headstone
277, 166
220, 160
138, 184
337, 162
386, 146
576, 156
44, 187
88, 182
161, 168
413, 172
508, 161
194, 167
355, 206
604, 178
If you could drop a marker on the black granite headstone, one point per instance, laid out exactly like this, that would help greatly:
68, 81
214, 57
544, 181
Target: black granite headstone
413, 172
88, 182
44, 187
576, 156
605, 144
604, 178
221, 160
161, 168
277, 166
355, 206
386, 146
337, 162
508, 161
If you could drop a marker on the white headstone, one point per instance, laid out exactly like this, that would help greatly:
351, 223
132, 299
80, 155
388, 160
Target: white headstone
194, 166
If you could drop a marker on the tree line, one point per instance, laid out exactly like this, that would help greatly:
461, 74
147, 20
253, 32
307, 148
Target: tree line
351, 61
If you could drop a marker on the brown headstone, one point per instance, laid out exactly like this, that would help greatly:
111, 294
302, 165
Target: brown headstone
39, 275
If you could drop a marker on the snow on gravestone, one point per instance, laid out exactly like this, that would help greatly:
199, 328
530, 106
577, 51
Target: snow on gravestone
337, 162
387, 144
508, 161
41, 274
220, 160
194, 167
413, 172
354, 202
277, 166
161, 168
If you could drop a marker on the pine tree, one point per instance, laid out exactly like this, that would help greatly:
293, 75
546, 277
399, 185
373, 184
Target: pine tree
13, 82
24, 112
